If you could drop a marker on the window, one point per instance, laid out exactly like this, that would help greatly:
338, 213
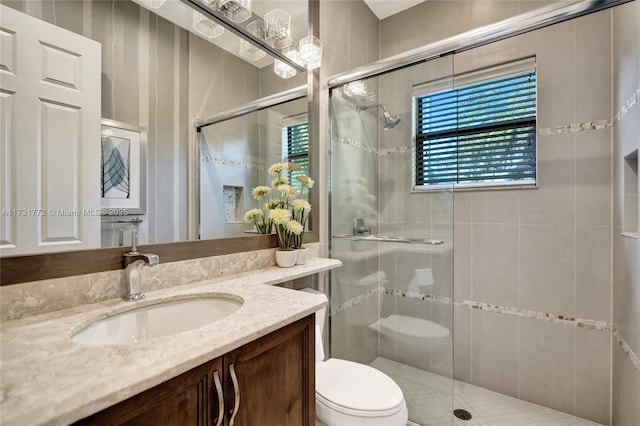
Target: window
295, 139
479, 134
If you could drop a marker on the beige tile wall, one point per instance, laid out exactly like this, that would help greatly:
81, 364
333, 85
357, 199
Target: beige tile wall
546, 249
626, 250
350, 34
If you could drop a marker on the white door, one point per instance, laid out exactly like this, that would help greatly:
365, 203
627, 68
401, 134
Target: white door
49, 137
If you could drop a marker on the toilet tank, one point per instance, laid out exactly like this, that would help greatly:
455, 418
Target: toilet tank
320, 317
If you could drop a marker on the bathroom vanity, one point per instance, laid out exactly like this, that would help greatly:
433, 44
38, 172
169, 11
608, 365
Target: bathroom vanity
267, 345
271, 379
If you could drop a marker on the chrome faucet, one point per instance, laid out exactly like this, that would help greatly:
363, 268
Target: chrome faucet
359, 228
134, 262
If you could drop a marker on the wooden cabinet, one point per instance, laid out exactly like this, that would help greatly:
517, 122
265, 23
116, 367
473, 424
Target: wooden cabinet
270, 381
276, 378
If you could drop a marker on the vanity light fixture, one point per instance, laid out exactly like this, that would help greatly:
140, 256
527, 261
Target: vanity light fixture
278, 28
291, 52
310, 52
206, 26
355, 88
235, 10
247, 49
283, 70
154, 4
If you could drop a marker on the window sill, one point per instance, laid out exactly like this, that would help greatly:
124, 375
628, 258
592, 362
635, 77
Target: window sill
467, 188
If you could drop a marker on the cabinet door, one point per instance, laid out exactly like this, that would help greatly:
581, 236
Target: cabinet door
187, 400
275, 378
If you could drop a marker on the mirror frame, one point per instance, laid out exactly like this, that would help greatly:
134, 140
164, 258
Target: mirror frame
22, 269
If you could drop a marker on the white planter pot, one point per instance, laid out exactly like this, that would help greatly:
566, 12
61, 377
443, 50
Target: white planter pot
286, 258
303, 256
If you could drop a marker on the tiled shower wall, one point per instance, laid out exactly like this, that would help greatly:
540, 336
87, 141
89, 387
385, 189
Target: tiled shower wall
546, 250
626, 249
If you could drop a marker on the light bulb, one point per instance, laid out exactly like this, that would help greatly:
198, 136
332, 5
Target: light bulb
236, 10
154, 4
310, 52
283, 70
206, 26
278, 28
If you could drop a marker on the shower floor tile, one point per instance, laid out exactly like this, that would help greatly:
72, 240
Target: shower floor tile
428, 397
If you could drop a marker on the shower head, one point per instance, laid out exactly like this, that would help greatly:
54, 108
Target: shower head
390, 121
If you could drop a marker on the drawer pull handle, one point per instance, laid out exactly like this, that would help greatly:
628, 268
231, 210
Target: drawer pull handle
236, 389
218, 384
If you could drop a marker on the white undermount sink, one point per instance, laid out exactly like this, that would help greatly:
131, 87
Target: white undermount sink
156, 320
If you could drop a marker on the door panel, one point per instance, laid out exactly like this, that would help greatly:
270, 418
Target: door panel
276, 378
50, 85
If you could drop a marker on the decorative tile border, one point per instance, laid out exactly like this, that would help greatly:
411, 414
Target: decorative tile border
626, 348
545, 131
506, 310
395, 151
354, 301
225, 162
575, 128
498, 309
355, 144
634, 99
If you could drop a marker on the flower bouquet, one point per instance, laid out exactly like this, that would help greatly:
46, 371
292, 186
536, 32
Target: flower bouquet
281, 211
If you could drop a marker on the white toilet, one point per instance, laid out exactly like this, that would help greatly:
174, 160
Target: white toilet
353, 394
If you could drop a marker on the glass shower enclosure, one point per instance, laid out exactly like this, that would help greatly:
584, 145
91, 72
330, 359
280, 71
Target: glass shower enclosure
391, 302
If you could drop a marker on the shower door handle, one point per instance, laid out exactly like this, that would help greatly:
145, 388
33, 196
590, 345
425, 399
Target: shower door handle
384, 239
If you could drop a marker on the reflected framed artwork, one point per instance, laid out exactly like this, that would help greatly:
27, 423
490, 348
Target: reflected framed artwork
123, 169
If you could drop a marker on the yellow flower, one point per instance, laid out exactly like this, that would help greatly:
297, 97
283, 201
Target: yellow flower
274, 204
301, 205
294, 227
278, 182
279, 216
277, 168
260, 191
305, 181
288, 190
252, 215
293, 167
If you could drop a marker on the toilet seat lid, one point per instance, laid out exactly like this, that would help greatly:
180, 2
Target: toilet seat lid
353, 387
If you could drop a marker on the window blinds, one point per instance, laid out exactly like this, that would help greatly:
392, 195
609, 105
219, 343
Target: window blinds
481, 133
297, 137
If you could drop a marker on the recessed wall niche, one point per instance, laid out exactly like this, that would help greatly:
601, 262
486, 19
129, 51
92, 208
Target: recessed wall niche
631, 201
233, 200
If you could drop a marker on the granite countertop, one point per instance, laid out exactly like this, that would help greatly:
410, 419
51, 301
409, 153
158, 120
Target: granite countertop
48, 379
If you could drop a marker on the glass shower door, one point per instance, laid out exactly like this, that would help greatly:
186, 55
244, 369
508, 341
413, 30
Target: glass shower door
391, 302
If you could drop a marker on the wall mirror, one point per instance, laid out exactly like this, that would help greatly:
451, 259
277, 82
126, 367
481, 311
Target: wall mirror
162, 66
235, 152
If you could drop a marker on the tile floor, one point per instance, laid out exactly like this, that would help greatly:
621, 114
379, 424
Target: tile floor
428, 397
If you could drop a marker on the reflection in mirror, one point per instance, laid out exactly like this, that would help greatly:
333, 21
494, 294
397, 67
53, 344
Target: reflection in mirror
153, 75
235, 155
